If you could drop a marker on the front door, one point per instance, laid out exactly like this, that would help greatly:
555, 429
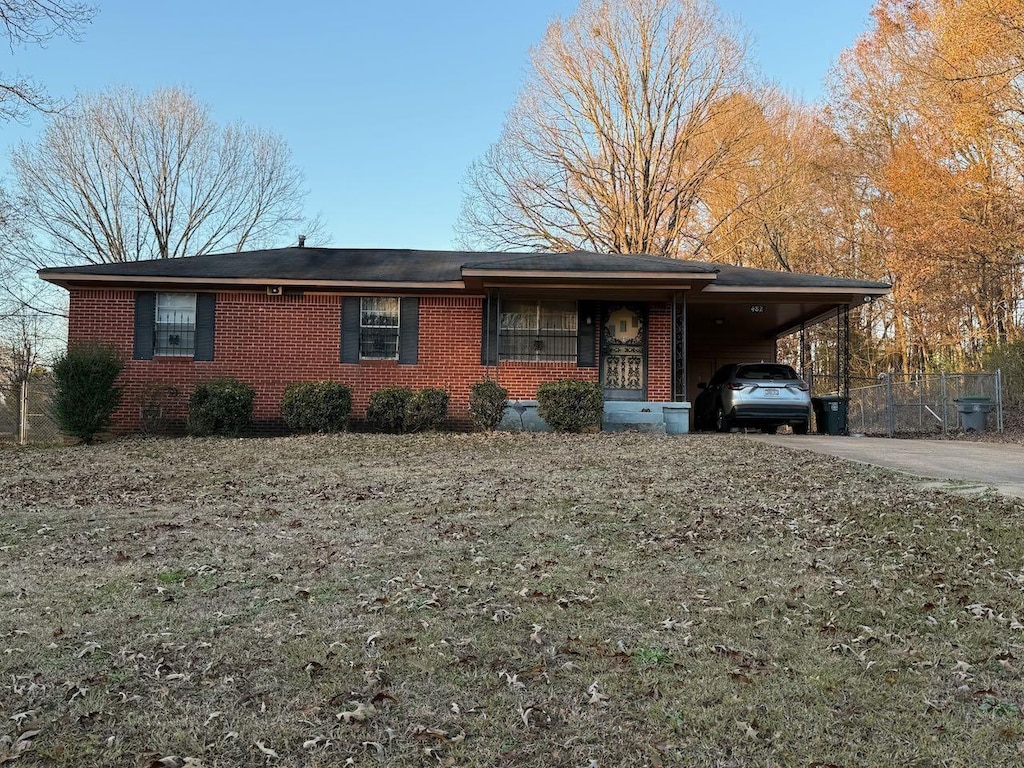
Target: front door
624, 351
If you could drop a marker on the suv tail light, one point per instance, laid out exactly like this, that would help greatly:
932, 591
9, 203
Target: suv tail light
734, 385
801, 385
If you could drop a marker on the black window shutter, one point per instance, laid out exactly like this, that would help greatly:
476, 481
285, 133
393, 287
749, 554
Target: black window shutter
409, 331
205, 304
350, 329
145, 325
586, 327
489, 332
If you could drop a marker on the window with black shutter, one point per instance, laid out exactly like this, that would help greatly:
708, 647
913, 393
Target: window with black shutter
175, 326
172, 324
379, 324
380, 328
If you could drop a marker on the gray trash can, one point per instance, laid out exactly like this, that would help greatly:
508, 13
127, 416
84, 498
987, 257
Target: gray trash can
973, 412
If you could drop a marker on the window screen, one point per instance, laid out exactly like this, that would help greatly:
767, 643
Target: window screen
378, 328
175, 329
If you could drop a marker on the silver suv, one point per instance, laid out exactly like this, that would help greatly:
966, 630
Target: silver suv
763, 395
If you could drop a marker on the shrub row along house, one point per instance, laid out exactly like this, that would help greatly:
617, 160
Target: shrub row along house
645, 328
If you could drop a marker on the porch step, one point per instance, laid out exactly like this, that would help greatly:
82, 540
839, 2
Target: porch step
619, 416
623, 416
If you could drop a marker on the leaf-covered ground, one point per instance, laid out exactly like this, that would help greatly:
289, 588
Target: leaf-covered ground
472, 600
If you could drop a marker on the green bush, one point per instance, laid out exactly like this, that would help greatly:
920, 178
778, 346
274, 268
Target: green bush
488, 401
570, 405
386, 409
426, 409
321, 406
85, 396
1009, 358
220, 407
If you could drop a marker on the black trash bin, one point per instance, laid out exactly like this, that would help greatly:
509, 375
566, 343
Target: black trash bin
830, 414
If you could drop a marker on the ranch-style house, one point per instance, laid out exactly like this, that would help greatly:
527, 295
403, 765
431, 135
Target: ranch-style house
646, 328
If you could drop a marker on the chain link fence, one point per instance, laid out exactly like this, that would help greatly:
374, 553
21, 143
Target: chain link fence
25, 413
917, 404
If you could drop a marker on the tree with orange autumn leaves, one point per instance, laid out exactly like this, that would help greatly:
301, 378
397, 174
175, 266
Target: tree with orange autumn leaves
912, 173
643, 128
930, 105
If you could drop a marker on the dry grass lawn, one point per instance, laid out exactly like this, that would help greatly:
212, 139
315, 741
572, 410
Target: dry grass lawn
529, 600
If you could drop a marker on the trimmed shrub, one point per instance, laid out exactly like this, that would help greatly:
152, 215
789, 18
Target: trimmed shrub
488, 401
386, 409
220, 407
321, 406
85, 396
570, 405
426, 409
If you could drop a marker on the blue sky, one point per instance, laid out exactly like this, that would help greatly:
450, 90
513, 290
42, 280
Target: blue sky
384, 104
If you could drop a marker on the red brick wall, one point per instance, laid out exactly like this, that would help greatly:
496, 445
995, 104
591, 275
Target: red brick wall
272, 341
659, 353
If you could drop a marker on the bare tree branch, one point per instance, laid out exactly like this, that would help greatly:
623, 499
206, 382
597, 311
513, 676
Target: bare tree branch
35, 22
122, 176
617, 133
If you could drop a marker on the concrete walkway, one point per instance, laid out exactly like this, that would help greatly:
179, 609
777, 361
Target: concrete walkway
995, 465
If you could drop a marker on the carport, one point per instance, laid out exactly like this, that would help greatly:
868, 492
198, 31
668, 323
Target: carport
741, 316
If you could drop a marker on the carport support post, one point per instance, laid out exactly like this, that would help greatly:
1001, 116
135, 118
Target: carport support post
678, 347
843, 361
803, 353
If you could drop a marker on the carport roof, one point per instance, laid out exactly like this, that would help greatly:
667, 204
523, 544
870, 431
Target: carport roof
410, 269
729, 275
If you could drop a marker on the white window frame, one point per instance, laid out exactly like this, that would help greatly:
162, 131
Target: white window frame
364, 327
168, 342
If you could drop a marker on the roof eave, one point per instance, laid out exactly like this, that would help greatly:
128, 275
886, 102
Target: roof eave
70, 279
857, 290
587, 274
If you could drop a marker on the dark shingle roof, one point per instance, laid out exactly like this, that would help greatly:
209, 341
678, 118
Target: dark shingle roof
583, 261
293, 264
729, 275
409, 266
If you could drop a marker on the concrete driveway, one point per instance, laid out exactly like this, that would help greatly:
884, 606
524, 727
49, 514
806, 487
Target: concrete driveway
995, 465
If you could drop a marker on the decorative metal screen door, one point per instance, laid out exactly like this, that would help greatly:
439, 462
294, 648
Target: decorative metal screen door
624, 352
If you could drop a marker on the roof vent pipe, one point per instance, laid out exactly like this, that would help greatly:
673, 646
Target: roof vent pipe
302, 241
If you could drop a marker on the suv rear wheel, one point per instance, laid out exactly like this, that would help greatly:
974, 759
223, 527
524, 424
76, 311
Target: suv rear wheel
801, 427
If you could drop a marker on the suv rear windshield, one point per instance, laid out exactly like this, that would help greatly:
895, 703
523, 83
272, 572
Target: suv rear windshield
765, 372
